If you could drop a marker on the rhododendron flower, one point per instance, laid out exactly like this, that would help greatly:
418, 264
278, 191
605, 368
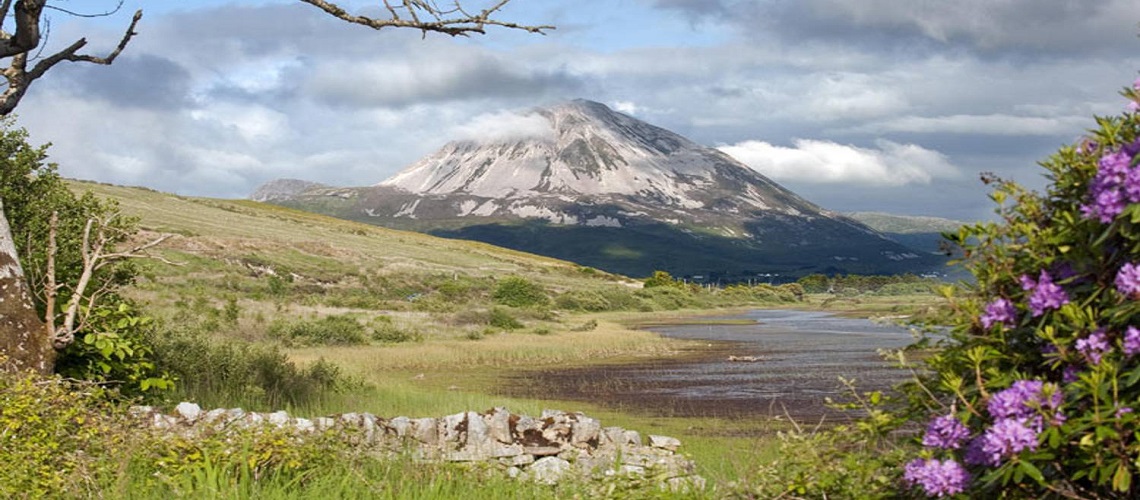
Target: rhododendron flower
1000, 311
1006, 438
1094, 346
938, 478
1131, 341
945, 432
1045, 295
1128, 280
1025, 399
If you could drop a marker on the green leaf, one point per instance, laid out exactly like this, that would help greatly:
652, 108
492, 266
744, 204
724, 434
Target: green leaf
1122, 479
1031, 470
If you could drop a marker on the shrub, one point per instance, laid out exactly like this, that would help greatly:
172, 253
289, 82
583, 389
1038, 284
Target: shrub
384, 331
516, 291
57, 437
329, 330
227, 373
500, 318
583, 300
1035, 387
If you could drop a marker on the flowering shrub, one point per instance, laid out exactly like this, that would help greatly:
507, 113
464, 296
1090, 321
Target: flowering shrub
1033, 391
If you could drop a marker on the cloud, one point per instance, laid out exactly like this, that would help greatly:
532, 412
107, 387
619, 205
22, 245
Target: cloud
996, 124
825, 162
504, 126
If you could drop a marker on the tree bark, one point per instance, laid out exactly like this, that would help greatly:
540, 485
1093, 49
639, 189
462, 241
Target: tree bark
24, 338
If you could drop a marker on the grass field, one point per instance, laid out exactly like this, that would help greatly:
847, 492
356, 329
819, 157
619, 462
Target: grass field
249, 271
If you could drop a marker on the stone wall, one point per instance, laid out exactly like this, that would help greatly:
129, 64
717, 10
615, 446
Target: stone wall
552, 447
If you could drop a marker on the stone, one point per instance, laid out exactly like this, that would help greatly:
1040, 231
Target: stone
522, 460
585, 431
401, 426
685, 484
304, 425
499, 425
216, 416
453, 428
630, 438
279, 418
478, 434
542, 451
324, 423
631, 470
514, 472
549, 470
188, 411
425, 430
499, 450
664, 442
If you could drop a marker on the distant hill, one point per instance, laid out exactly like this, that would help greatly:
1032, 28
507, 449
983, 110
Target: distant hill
918, 232
603, 189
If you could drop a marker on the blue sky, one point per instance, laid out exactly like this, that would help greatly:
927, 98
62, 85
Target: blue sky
888, 105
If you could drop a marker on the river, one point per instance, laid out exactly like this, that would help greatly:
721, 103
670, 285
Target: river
796, 359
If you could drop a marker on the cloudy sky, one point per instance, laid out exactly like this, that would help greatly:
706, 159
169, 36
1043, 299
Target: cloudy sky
888, 105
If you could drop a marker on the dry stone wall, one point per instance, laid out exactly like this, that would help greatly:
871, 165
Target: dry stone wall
550, 448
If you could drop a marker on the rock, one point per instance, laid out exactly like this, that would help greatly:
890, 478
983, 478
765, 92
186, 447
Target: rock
664, 442
630, 438
188, 411
425, 430
549, 470
453, 428
514, 472
477, 431
585, 432
522, 460
499, 425
400, 426
304, 425
685, 484
631, 470
542, 451
279, 418
499, 450
324, 423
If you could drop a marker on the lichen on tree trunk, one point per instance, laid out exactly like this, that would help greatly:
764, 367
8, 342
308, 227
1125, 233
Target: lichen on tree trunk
24, 341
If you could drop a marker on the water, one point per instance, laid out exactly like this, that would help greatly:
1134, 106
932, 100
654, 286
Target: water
801, 356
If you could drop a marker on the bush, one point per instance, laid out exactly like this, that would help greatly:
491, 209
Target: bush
384, 331
1035, 388
329, 330
57, 437
229, 373
500, 318
583, 300
516, 291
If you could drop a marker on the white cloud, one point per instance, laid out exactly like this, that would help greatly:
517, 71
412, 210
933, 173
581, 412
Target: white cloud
627, 107
504, 126
825, 162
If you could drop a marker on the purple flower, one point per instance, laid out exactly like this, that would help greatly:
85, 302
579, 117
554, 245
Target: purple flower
1025, 399
1115, 185
1006, 438
1070, 374
1128, 280
938, 478
1131, 341
1000, 311
1094, 346
1136, 83
1123, 410
1045, 294
1132, 106
945, 432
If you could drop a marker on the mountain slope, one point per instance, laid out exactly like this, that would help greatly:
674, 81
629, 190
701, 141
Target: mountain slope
607, 190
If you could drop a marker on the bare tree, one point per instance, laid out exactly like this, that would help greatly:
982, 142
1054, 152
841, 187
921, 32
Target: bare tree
26, 341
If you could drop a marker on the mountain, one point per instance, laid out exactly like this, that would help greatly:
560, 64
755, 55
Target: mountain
584, 183
918, 232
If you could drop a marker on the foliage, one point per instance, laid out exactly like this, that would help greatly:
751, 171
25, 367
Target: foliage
662, 278
517, 291
232, 372
1036, 382
329, 330
52, 434
825, 465
115, 348
500, 318
384, 331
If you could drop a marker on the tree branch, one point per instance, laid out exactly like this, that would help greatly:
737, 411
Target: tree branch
433, 18
27, 37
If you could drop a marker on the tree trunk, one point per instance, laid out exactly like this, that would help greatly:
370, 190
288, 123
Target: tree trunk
24, 338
